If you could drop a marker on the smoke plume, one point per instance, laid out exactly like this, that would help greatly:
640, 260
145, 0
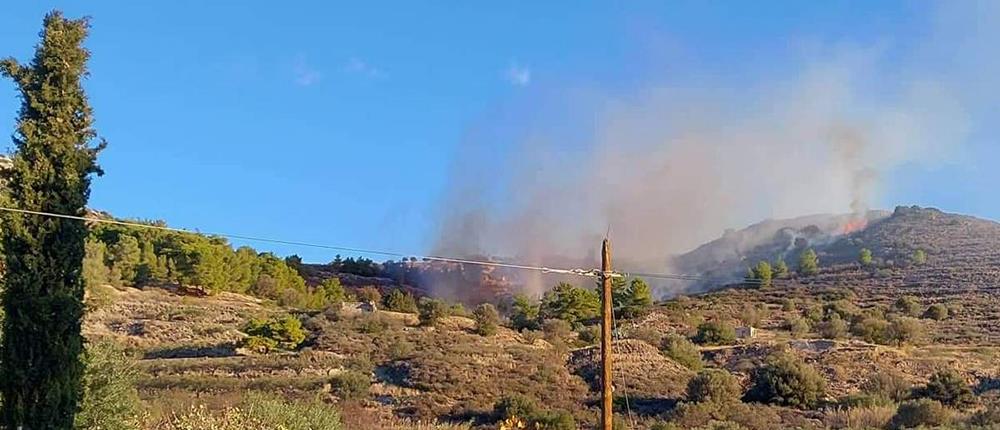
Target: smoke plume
672, 165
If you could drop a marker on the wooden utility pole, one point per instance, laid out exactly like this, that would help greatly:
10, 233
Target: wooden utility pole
606, 389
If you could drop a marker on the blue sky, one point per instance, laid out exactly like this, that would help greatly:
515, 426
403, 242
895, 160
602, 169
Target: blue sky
339, 123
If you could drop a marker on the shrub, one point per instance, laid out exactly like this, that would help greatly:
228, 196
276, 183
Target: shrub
713, 385
948, 387
257, 412
634, 300
907, 305
986, 417
553, 420
904, 330
524, 314
813, 313
920, 412
797, 326
936, 312
860, 417
400, 301
351, 384
110, 400
715, 333
780, 268
788, 305
833, 328
763, 274
487, 319
753, 315
514, 405
647, 334
589, 335
787, 380
808, 263
889, 385
682, 351
369, 294
871, 329
865, 257
281, 332
570, 303
919, 257
556, 331
431, 311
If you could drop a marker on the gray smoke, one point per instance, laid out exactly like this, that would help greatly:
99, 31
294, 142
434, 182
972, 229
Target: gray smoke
672, 165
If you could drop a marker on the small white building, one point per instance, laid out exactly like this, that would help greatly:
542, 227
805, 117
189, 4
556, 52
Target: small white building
746, 332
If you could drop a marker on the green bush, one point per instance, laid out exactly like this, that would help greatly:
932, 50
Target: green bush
715, 333
110, 400
369, 294
259, 412
787, 380
400, 301
351, 384
281, 332
487, 319
948, 387
797, 326
920, 413
908, 306
936, 312
762, 274
919, 257
514, 405
833, 328
524, 314
589, 335
713, 385
889, 385
808, 263
904, 330
553, 420
682, 351
865, 257
431, 311
569, 303
871, 329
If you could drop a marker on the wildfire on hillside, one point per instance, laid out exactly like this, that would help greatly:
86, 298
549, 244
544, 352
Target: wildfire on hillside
853, 225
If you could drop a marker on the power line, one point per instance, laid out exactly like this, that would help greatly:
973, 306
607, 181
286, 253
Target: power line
552, 270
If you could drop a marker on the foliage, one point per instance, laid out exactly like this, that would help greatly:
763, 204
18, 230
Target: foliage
360, 266
570, 303
632, 300
282, 332
871, 329
589, 335
889, 385
400, 301
762, 273
780, 268
682, 351
833, 328
524, 314
556, 331
907, 305
351, 384
920, 413
797, 326
43, 286
808, 263
787, 380
713, 385
369, 294
514, 405
554, 420
904, 330
431, 311
333, 293
753, 315
865, 257
715, 333
487, 319
948, 387
919, 257
260, 412
936, 312
110, 400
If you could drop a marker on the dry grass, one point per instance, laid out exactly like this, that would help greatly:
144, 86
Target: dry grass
868, 417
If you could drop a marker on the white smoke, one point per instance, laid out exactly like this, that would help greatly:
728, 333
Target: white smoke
671, 166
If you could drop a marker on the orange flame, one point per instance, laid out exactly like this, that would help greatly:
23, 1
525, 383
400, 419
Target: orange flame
854, 225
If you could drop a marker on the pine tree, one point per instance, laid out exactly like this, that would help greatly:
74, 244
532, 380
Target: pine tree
40, 368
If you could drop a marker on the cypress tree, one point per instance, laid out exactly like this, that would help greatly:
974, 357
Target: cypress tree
40, 367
